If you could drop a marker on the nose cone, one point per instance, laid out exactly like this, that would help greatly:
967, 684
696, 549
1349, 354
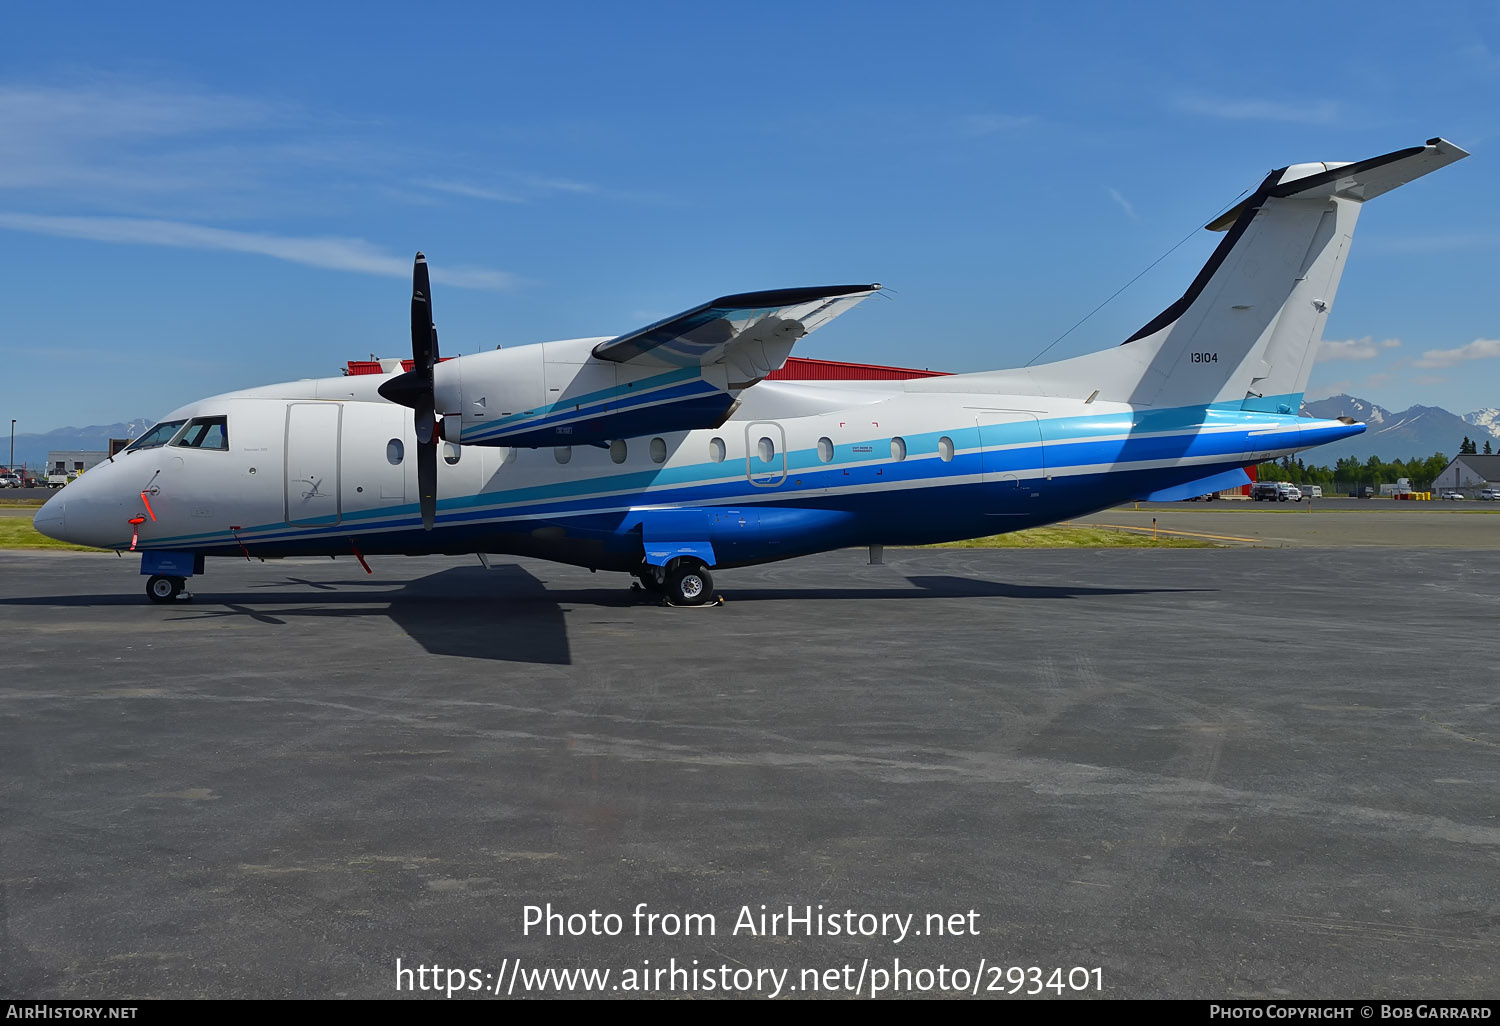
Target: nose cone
49, 519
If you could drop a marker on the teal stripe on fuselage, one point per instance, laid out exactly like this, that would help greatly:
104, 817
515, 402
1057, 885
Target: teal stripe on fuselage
688, 484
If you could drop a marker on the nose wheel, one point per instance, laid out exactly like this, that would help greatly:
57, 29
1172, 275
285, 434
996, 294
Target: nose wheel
166, 589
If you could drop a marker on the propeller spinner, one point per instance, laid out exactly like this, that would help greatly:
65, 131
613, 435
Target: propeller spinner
414, 389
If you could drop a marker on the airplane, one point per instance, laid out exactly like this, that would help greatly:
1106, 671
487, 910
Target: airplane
669, 454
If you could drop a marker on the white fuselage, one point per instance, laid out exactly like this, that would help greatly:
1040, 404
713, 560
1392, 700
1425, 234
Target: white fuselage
325, 467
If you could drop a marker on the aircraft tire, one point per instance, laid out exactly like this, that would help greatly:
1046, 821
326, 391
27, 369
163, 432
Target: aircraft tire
164, 589
689, 585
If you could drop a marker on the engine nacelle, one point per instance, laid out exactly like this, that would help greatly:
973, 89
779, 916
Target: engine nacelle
559, 393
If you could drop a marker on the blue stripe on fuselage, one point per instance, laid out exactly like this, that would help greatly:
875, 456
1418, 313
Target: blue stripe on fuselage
1070, 442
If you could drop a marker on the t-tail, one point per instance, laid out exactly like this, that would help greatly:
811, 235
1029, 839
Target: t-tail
1245, 333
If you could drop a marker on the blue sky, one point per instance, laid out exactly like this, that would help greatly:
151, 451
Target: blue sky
196, 199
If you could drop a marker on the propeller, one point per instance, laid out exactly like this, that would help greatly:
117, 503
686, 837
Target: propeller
414, 389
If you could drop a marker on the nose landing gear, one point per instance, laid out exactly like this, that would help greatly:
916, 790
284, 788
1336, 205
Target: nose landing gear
160, 588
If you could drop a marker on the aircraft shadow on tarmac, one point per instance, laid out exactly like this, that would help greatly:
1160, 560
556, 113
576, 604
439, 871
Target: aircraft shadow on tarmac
508, 614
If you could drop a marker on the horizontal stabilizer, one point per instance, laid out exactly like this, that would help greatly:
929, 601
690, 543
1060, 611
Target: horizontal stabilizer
1228, 479
1361, 180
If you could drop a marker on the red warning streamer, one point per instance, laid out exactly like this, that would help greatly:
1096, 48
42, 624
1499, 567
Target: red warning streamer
360, 556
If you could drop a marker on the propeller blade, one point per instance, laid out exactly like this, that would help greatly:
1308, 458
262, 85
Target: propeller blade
427, 480
414, 389
424, 350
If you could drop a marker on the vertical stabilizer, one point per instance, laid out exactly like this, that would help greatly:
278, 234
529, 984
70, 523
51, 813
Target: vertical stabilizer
1246, 331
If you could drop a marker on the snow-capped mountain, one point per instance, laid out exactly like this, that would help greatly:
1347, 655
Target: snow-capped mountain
1416, 431
1488, 419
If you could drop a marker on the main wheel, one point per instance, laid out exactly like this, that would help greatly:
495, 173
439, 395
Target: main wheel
163, 589
689, 586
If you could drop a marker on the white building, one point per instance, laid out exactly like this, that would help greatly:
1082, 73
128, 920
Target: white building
73, 461
1468, 474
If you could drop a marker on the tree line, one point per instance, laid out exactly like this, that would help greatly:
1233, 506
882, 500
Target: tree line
1350, 471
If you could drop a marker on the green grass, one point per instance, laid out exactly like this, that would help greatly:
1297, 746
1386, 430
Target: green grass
17, 533
1059, 537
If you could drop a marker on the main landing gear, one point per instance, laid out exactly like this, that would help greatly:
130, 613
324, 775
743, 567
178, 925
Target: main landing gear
685, 583
160, 588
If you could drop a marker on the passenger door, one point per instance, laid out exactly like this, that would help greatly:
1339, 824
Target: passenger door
312, 463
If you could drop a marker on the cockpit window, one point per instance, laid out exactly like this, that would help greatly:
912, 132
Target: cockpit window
205, 433
159, 435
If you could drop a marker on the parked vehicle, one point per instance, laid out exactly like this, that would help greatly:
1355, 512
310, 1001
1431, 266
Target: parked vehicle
1489, 494
1311, 491
1275, 491
1454, 495
9, 480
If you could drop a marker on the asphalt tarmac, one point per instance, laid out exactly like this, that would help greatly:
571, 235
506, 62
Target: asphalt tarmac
1249, 772
1321, 523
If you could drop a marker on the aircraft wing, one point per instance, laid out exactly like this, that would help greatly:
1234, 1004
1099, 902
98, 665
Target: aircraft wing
752, 333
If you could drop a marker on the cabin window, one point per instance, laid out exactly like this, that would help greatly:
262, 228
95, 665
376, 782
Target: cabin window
825, 450
161, 434
898, 449
945, 449
618, 450
716, 449
658, 450
451, 454
395, 452
204, 433
767, 449
562, 453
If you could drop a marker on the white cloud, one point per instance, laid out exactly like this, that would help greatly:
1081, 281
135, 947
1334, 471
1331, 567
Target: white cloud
112, 144
1355, 349
1479, 349
114, 134
1330, 389
330, 252
522, 191
472, 191
1124, 204
1295, 112
560, 185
